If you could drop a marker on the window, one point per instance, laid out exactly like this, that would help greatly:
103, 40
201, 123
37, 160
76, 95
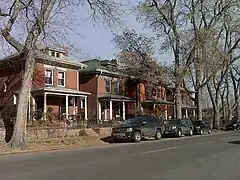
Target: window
116, 87
53, 53
159, 94
49, 76
57, 55
61, 78
108, 86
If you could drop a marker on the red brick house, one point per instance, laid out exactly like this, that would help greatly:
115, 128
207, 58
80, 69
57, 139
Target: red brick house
55, 84
108, 98
151, 99
188, 107
114, 94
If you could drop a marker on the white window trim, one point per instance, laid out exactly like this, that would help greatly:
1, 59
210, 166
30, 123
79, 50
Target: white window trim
45, 76
64, 74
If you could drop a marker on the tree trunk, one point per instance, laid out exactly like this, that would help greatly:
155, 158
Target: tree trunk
19, 134
198, 98
238, 109
198, 95
216, 118
178, 101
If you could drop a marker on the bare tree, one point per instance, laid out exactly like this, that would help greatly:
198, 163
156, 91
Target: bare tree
34, 16
166, 19
137, 58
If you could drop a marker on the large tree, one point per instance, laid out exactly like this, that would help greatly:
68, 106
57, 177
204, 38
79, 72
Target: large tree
34, 17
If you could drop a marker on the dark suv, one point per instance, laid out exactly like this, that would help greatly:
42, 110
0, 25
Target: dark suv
137, 128
233, 125
200, 127
178, 127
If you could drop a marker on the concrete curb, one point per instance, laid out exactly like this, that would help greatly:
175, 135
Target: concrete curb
107, 145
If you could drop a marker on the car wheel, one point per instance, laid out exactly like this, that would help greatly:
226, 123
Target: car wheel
137, 136
179, 132
209, 131
190, 132
158, 135
201, 132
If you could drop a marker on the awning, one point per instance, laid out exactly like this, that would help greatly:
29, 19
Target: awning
157, 102
60, 91
113, 97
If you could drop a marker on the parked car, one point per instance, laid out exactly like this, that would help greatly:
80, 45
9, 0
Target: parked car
178, 127
137, 128
233, 125
200, 127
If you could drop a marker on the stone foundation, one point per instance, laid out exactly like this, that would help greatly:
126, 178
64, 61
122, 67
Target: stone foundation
45, 133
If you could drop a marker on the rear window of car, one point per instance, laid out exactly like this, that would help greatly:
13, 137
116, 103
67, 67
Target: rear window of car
196, 122
173, 122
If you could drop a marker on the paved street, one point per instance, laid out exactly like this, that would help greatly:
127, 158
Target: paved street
207, 157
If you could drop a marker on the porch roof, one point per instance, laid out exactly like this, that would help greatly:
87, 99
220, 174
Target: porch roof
115, 98
60, 90
185, 106
160, 102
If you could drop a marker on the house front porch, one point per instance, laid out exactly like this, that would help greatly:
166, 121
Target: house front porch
188, 111
62, 101
115, 107
157, 108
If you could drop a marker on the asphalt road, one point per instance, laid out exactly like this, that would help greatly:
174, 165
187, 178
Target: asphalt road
198, 158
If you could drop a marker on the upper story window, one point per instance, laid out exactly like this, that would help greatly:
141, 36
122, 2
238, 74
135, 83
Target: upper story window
116, 87
53, 53
108, 85
159, 93
61, 78
49, 77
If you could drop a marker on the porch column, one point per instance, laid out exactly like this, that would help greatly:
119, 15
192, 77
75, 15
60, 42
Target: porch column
123, 110
166, 114
186, 113
74, 105
66, 106
99, 111
33, 107
110, 109
45, 106
194, 113
105, 111
85, 108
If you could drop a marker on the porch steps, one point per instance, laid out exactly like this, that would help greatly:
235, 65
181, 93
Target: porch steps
91, 132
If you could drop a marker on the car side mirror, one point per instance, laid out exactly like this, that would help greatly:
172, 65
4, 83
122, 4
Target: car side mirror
144, 122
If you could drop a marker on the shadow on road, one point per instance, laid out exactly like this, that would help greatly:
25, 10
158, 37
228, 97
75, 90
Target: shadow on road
109, 139
234, 142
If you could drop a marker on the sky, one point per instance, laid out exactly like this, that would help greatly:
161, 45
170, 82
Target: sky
94, 40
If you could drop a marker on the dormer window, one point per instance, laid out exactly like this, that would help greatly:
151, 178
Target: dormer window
52, 53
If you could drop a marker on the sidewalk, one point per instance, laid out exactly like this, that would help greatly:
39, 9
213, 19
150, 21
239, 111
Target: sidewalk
54, 144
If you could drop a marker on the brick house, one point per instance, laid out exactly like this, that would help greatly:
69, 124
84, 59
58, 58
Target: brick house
106, 84
55, 84
188, 106
114, 94
151, 100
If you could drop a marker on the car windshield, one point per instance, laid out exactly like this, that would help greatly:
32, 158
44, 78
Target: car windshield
132, 120
173, 122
